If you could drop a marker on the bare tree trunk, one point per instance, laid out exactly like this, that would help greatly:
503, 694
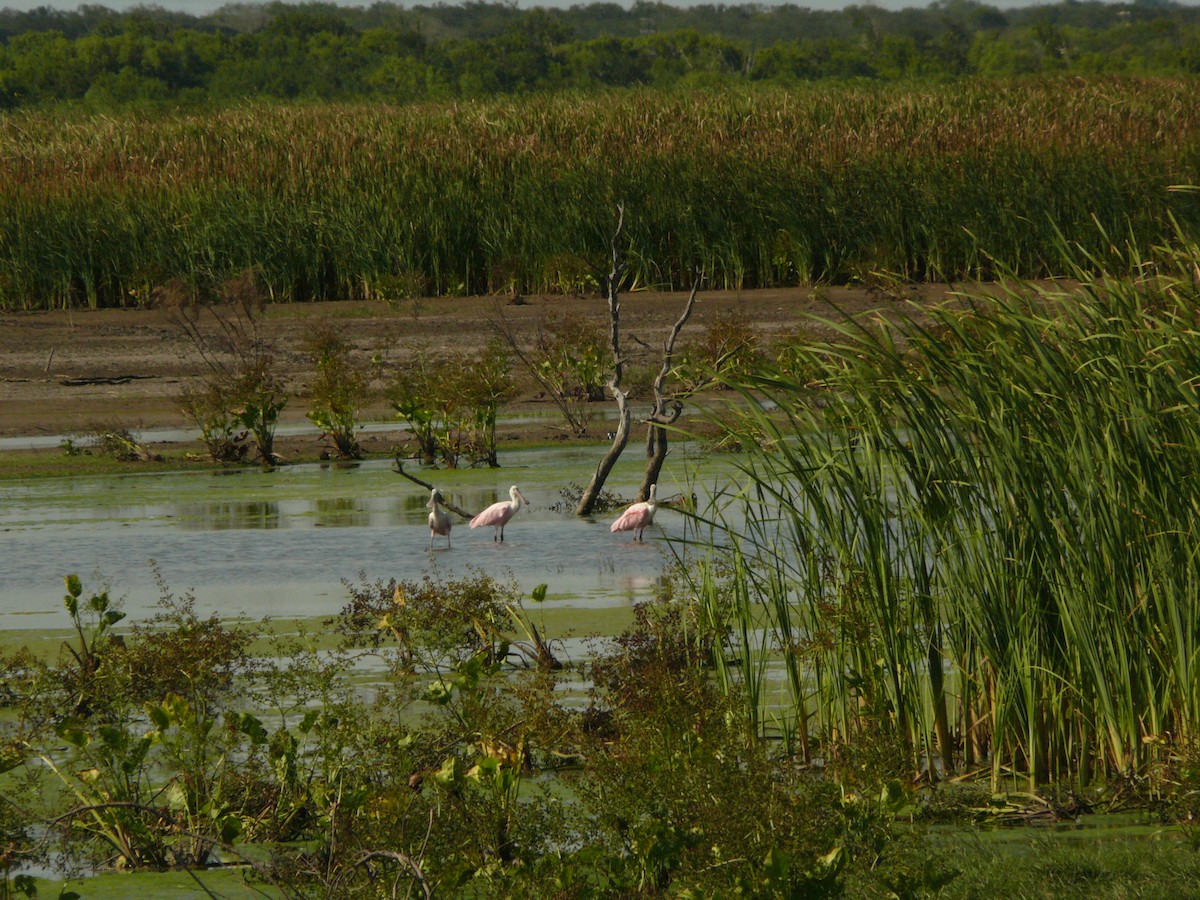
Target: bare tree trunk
656, 450
656, 436
587, 500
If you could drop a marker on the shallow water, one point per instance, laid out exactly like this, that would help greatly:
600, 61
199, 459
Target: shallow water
253, 543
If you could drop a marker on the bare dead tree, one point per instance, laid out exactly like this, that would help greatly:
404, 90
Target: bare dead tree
660, 417
587, 499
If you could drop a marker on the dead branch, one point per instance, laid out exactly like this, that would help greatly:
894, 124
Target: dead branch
101, 379
669, 346
614, 299
659, 418
665, 418
399, 470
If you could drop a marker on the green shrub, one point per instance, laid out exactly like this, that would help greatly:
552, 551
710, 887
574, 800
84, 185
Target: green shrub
339, 390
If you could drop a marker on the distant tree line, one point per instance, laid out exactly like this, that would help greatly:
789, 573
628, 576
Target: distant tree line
319, 51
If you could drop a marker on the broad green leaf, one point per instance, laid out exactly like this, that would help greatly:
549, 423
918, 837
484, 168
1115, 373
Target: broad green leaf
73, 734
893, 796
158, 717
113, 737
253, 728
450, 770
229, 828
177, 797
439, 693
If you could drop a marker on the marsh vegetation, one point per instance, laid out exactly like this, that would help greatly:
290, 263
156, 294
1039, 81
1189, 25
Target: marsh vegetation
953, 581
767, 187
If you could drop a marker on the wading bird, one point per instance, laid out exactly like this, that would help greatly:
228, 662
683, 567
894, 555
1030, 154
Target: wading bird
439, 519
498, 514
638, 517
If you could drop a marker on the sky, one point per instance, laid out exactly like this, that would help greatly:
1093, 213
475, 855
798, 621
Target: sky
200, 7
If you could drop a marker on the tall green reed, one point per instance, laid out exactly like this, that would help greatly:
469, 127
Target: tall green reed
974, 528
761, 186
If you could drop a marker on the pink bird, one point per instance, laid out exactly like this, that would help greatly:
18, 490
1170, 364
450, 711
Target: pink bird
638, 517
439, 519
498, 514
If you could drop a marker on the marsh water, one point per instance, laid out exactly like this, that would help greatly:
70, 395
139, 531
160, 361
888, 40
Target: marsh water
249, 543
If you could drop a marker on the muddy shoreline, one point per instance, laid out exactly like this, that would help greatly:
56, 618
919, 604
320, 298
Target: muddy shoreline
67, 371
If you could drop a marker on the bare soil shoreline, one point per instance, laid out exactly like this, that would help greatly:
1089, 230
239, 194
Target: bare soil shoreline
65, 372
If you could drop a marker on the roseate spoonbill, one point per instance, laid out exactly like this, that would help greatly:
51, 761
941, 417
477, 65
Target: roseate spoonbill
498, 514
439, 519
638, 516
